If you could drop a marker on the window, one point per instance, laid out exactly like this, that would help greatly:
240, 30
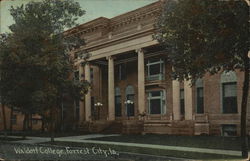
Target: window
14, 119
199, 100
155, 69
130, 101
156, 102
93, 109
91, 74
76, 75
34, 121
121, 72
229, 92
16, 109
229, 97
229, 130
77, 110
118, 104
199, 96
182, 102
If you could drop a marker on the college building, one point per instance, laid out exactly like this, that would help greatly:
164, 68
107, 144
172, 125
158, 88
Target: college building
131, 86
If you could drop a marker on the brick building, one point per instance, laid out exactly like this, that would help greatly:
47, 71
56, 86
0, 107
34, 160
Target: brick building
131, 86
132, 91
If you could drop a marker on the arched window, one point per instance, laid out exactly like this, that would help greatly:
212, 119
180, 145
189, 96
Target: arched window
229, 92
118, 111
130, 90
199, 96
129, 100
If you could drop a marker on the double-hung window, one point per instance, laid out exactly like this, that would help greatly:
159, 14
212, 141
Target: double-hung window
199, 96
229, 92
91, 75
156, 102
182, 102
199, 100
118, 103
120, 72
155, 69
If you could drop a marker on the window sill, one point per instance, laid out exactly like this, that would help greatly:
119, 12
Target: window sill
231, 113
155, 82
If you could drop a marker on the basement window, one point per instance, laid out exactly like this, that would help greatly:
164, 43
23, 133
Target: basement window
229, 130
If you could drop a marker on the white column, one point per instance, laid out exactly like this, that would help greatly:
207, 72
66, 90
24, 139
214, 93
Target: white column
88, 95
141, 81
176, 100
81, 108
111, 89
188, 100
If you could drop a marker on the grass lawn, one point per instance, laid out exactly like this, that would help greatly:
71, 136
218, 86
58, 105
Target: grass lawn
212, 142
169, 153
2, 138
48, 134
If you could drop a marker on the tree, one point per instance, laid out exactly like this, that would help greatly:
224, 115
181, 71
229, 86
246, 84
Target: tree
2, 99
35, 63
207, 37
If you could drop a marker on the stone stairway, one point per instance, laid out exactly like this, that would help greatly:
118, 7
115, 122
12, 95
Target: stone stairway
157, 126
94, 126
185, 127
114, 128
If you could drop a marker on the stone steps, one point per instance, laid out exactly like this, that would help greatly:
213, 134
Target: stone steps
113, 128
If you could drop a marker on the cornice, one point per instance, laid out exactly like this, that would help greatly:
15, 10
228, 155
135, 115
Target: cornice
90, 26
151, 10
132, 17
106, 43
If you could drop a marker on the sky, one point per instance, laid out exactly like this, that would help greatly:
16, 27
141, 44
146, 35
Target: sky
93, 8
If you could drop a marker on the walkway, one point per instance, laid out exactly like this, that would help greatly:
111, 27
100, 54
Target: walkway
36, 140
83, 139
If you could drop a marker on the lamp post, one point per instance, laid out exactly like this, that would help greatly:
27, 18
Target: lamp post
128, 103
98, 105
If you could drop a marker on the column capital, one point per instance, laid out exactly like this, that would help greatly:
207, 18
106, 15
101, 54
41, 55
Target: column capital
140, 50
86, 63
110, 57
